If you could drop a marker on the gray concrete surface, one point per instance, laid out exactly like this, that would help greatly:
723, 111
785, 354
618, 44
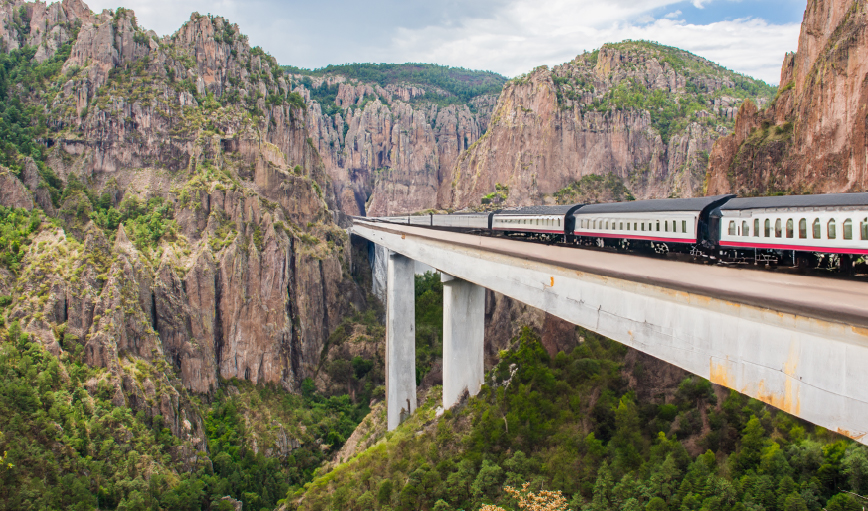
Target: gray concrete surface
798, 343
463, 335
400, 340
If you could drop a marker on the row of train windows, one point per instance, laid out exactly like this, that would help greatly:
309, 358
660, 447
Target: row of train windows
668, 225
816, 229
544, 222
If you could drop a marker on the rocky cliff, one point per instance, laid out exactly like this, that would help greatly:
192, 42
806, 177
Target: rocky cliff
644, 113
388, 149
193, 225
813, 138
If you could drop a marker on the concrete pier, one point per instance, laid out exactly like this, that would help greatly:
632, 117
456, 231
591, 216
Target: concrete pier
400, 340
463, 333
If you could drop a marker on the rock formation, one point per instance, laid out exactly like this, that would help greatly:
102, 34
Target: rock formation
241, 271
385, 153
813, 138
645, 113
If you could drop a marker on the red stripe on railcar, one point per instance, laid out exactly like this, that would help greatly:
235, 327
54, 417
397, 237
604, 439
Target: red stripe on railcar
632, 237
528, 230
772, 246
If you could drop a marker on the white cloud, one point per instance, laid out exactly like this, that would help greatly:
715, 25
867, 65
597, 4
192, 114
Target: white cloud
507, 36
528, 35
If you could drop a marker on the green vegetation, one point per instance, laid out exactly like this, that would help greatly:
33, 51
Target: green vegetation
458, 81
573, 424
16, 226
23, 121
498, 196
67, 446
429, 323
594, 188
693, 66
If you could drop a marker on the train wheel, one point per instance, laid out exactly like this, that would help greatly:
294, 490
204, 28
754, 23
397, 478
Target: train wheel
601, 242
660, 248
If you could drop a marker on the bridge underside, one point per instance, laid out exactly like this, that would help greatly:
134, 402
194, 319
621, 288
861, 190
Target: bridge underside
807, 363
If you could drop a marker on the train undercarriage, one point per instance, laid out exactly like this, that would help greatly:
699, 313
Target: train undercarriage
706, 253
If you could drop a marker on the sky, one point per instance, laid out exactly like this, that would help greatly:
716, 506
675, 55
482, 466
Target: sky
510, 37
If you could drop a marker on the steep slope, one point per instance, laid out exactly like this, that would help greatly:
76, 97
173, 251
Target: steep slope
166, 226
645, 113
389, 134
608, 427
243, 283
813, 138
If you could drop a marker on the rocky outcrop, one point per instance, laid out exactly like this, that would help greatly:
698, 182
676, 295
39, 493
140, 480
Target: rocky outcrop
644, 113
387, 153
248, 278
13, 193
813, 138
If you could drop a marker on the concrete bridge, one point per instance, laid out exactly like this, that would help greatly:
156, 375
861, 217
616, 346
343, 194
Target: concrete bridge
795, 342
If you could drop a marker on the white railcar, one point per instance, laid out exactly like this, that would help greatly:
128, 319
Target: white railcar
835, 223
656, 220
533, 219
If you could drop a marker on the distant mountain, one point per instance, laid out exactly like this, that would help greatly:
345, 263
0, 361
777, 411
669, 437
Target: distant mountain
463, 84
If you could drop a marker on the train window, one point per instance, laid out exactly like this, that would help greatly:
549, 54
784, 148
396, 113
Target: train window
621, 226
816, 228
779, 231
643, 226
607, 224
756, 230
768, 229
684, 226
865, 229
848, 229
745, 228
789, 228
732, 228
635, 226
559, 222
666, 226
803, 228
833, 232
658, 225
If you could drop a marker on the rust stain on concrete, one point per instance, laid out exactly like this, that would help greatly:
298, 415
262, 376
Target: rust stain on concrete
719, 374
788, 402
852, 435
553, 282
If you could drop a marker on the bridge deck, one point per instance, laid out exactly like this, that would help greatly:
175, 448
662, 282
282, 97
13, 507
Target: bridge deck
828, 298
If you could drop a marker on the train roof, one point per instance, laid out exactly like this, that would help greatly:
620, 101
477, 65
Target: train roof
652, 205
538, 210
825, 200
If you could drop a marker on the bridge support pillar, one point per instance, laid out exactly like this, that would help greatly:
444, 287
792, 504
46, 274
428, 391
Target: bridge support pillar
463, 333
400, 340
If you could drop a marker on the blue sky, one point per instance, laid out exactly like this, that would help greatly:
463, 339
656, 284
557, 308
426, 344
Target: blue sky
507, 36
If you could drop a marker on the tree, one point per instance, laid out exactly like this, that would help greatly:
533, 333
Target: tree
544, 500
487, 481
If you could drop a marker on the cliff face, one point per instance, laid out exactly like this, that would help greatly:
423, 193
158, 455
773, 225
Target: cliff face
644, 113
388, 149
197, 225
812, 138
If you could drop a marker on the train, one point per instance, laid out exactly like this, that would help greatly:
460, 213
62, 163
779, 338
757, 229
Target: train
822, 230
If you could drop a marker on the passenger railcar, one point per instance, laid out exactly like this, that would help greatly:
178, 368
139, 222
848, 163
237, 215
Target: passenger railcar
660, 224
767, 228
462, 221
545, 222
